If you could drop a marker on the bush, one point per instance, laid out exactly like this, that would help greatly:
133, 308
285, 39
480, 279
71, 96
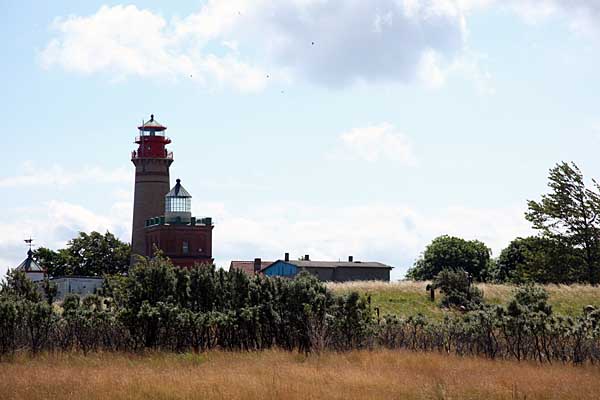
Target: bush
457, 290
160, 307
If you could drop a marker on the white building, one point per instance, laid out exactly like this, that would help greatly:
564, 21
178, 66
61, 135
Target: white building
79, 285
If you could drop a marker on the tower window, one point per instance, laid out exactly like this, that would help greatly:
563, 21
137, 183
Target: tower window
185, 248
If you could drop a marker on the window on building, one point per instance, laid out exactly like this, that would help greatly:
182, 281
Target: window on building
186, 247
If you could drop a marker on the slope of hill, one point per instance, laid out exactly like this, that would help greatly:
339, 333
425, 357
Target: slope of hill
407, 298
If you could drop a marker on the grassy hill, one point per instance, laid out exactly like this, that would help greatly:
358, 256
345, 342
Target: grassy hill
407, 298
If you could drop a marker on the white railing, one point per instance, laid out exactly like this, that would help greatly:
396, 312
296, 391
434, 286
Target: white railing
135, 155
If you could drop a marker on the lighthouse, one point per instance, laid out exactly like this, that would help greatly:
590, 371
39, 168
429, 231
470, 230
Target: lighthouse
152, 161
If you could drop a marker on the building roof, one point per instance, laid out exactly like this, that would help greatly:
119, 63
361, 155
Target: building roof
179, 191
152, 125
336, 264
29, 264
248, 266
95, 278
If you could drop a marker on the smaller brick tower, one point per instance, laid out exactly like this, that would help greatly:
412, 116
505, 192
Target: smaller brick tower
186, 240
152, 162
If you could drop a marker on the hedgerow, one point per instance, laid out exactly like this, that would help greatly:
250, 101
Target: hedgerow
160, 307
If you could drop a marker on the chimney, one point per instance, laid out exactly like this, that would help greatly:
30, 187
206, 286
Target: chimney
306, 257
257, 265
350, 259
287, 257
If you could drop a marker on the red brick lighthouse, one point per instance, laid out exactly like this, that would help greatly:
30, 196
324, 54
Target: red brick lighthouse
152, 161
162, 217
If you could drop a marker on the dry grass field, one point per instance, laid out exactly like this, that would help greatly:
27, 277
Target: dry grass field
407, 298
283, 375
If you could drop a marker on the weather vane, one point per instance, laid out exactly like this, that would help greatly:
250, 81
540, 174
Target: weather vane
29, 242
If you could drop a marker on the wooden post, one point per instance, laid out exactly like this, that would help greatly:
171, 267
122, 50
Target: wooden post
431, 289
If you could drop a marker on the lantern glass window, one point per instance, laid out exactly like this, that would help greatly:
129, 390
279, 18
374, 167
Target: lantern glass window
179, 204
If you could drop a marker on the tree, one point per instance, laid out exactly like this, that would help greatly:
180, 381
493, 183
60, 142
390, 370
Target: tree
57, 263
540, 260
570, 214
448, 252
91, 254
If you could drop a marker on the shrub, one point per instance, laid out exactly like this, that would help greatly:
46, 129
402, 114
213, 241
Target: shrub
457, 290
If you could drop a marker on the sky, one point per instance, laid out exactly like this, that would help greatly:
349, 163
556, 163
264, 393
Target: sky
322, 127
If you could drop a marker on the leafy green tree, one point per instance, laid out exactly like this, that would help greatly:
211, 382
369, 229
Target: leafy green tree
538, 259
57, 263
570, 214
449, 252
91, 254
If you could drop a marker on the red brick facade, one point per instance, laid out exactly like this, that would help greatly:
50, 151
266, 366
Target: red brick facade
151, 185
184, 244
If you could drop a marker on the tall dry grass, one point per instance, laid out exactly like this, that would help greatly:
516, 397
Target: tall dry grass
283, 375
379, 286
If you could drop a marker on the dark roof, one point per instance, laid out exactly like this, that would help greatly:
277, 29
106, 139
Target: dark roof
248, 266
152, 125
29, 264
336, 264
178, 191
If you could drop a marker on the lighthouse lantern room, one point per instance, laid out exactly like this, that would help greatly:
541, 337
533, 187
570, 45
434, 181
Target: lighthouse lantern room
152, 141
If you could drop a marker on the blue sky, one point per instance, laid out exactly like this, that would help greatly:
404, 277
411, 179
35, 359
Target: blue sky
404, 120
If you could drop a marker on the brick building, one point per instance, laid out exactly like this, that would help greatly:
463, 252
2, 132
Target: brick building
186, 240
162, 218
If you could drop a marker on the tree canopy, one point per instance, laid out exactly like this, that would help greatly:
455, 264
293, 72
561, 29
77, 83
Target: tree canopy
91, 254
570, 215
452, 253
538, 259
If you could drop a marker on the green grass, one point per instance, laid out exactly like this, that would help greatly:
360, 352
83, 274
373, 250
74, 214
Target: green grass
408, 298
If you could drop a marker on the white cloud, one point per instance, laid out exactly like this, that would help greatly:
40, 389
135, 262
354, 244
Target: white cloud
245, 44
126, 41
55, 174
377, 142
333, 43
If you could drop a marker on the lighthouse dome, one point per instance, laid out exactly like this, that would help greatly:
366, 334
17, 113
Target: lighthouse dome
178, 204
152, 125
